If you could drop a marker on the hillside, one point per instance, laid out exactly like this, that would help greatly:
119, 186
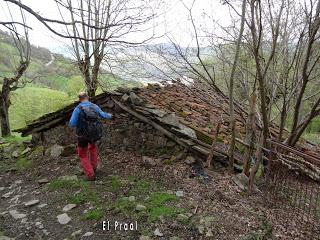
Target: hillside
52, 81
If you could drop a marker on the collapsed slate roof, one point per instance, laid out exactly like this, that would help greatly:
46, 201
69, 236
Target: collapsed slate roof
186, 114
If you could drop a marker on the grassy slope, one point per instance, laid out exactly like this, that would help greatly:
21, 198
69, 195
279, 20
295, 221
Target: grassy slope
51, 87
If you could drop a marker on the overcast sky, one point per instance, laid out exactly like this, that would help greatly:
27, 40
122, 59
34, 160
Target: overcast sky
175, 20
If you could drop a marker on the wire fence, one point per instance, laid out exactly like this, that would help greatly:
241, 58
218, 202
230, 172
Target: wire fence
294, 195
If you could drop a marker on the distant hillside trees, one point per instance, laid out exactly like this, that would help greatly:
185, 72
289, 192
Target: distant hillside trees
14, 81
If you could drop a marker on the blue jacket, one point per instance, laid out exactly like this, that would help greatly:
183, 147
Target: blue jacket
75, 114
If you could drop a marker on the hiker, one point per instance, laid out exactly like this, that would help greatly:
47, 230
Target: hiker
85, 118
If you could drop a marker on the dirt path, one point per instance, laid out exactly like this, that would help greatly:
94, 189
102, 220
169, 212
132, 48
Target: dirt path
50, 200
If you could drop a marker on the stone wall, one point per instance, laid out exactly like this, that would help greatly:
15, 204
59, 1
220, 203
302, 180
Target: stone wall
124, 133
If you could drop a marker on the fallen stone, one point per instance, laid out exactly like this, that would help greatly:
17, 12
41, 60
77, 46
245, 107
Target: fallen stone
16, 215
157, 233
157, 112
149, 162
186, 131
68, 207
25, 151
2, 188
144, 238
45, 231
63, 218
179, 193
43, 181
125, 97
24, 220
135, 99
15, 154
3, 213
42, 205
39, 225
170, 192
190, 160
76, 233
171, 119
131, 198
140, 207
87, 234
31, 203
209, 233
55, 151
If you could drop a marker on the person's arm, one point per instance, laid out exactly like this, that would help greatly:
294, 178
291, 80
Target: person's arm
103, 114
73, 122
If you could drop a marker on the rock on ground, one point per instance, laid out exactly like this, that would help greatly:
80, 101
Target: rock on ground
16, 215
158, 233
179, 193
63, 218
68, 207
31, 203
149, 162
55, 151
87, 234
141, 207
144, 238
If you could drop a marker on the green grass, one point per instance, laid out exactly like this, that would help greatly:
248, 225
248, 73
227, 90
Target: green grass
115, 183
140, 187
159, 198
312, 137
95, 214
157, 205
30, 103
86, 193
83, 197
124, 205
163, 211
23, 164
16, 138
68, 184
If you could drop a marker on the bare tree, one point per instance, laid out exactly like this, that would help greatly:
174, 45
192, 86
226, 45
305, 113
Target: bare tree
256, 28
310, 59
12, 83
232, 123
94, 26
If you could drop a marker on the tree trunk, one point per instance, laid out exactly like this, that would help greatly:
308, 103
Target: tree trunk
250, 135
259, 155
296, 134
232, 125
4, 108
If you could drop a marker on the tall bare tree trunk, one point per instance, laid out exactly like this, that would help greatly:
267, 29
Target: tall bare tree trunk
4, 108
231, 90
250, 135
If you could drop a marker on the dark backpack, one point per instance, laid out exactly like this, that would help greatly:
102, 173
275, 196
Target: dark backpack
89, 127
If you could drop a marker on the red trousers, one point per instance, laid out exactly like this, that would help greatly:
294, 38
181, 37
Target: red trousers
89, 159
